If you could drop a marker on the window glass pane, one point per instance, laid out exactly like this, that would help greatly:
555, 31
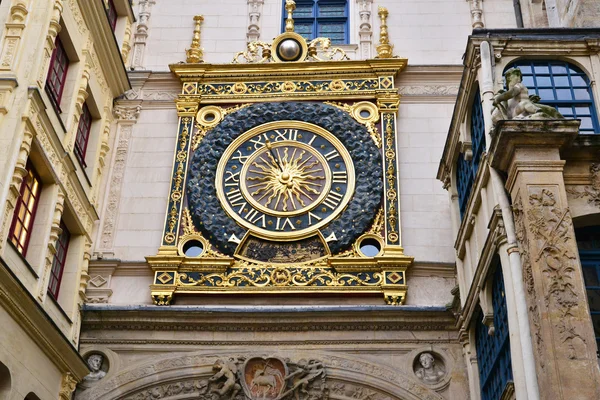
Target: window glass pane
590, 276
581, 94
332, 10
544, 81
304, 30
594, 299
546, 94
528, 81
565, 111
583, 110
586, 123
302, 10
525, 69
559, 69
561, 81
564, 94
541, 69
578, 81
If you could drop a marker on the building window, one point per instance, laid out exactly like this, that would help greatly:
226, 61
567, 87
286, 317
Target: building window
20, 230
57, 75
83, 134
466, 171
111, 13
321, 18
58, 264
588, 242
493, 351
563, 86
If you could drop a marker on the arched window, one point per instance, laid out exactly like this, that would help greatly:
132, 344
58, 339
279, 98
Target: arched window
466, 171
31, 396
563, 86
493, 351
588, 242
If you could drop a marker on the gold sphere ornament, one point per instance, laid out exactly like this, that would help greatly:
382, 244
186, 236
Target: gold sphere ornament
289, 50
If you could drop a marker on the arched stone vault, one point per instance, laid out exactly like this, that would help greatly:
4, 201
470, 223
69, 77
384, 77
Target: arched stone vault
180, 377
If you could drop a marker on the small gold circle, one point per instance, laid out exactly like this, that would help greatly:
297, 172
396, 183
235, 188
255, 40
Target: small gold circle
365, 112
287, 36
369, 237
209, 116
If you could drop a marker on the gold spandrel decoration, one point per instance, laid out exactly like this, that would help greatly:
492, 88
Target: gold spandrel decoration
190, 232
391, 193
384, 48
369, 121
195, 53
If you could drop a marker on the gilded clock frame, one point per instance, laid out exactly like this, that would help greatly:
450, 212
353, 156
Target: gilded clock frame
286, 236
222, 89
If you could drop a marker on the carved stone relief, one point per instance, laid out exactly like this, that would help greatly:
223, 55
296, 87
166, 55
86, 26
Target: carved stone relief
141, 33
239, 377
254, 13
429, 368
365, 30
592, 192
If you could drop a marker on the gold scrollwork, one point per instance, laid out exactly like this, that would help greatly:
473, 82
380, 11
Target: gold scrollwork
390, 176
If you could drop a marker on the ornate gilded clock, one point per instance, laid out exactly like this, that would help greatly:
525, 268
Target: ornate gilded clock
284, 177
276, 175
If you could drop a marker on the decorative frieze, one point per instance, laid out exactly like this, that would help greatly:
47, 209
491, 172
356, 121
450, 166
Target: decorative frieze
591, 192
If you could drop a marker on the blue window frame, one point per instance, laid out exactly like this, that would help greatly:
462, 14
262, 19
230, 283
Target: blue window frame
563, 86
321, 18
493, 351
466, 171
588, 241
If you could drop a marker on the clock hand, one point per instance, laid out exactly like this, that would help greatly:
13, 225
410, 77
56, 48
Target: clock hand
270, 147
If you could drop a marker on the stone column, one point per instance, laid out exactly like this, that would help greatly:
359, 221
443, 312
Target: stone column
53, 30
365, 30
560, 324
141, 34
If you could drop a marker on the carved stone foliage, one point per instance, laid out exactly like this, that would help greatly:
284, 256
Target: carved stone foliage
548, 250
592, 192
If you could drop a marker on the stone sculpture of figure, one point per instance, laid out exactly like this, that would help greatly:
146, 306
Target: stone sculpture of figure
515, 103
227, 371
95, 363
305, 373
428, 372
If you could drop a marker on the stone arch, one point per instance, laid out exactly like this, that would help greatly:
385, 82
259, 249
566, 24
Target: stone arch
31, 396
179, 378
5, 381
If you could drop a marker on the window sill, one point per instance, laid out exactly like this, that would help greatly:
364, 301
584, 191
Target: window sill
59, 308
29, 267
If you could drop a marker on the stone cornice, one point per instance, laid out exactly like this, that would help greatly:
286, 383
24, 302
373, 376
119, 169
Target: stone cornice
32, 318
267, 319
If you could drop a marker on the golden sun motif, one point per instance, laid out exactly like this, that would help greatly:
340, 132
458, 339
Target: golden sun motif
285, 177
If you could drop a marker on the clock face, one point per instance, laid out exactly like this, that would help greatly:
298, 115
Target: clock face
284, 180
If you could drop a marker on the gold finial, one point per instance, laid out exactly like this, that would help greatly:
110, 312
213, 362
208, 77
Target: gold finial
194, 53
384, 49
290, 6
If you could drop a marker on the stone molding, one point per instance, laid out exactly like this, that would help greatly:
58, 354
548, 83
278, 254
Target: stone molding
284, 319
373, 378
591, 192
126, 116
